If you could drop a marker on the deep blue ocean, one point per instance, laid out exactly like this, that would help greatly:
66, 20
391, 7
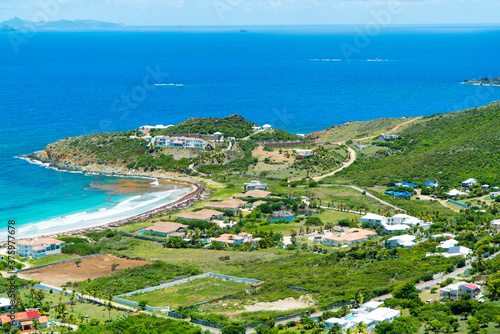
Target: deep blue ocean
60, 84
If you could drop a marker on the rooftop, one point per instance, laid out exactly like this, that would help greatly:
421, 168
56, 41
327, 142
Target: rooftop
202, 214
42, 241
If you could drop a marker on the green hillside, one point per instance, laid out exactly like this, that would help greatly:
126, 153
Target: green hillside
231, 126
447, 148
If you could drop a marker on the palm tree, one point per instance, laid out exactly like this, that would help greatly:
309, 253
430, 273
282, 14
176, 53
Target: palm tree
361, 328
335, 329
358, 298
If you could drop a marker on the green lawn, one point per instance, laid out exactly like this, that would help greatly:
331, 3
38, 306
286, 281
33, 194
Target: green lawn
81, 309
194, 292
51, 259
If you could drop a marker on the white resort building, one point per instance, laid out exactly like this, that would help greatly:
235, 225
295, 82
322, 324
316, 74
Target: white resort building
39, 248
180, 142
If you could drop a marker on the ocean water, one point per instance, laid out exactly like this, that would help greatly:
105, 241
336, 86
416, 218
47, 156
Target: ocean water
61, 84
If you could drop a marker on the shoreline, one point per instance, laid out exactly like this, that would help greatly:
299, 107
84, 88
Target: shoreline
187, 200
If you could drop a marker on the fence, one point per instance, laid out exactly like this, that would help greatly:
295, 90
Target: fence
118, 299
458, 203
176, 315
207, 323
50, 264
286, 143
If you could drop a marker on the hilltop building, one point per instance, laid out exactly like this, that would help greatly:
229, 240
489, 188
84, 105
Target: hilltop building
180, 142
255, 185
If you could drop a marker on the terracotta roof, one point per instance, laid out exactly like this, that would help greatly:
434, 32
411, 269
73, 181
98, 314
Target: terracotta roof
201, 215
26, 323
227, 204
20, 316
166, 227
253, 194
229, 238
361, 231
257, 203
41, 241
471, 286
43, 319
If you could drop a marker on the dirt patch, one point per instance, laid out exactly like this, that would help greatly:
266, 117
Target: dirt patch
282, 304
274, 156
92, 267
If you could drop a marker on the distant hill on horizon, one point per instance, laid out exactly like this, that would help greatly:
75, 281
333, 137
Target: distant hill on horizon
17, 24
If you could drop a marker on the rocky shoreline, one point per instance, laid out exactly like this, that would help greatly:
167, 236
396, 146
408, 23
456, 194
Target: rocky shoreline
198, 194
483, 82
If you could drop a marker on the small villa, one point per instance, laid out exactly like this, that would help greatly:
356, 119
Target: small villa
352, 237
255, 185
233, 239
204, 215
180, 142
403, 241
304, 153
232, 204
456, 291
39, 248
469, 183
166, 229
24, 320
254, 194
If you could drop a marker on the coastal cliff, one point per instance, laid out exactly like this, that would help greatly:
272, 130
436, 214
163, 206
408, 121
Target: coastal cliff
483, 82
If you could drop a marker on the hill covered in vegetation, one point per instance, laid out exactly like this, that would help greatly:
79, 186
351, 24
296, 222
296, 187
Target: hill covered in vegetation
447, 148
231, 126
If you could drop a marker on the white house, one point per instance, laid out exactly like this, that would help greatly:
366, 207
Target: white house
304, 153
256, 128
374, 219
456, 290
447, 244
4, 304
370, 316
266, 127
459, 251
401, 218
455, 192
495, 224
180, 142
255, 185
395, 228
469, 183
39, 248
403, 241
494, 194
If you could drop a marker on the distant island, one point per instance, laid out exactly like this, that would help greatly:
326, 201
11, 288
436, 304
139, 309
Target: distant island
17, 24
484, 82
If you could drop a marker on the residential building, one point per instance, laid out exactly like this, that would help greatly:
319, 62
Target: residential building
431, 184
374, 219
256, 128
386, 137
485, 187
255, 185
166, 229
447, 244
459, 251
395, 228
352, 237
233, 239
253, 194
304, 153
24, 320
455, 192
403, 241
4, 304
455, 291
232, 204
256, 204
39, 248
399, 194
494, 194
370, 316
406, 184
495, 224
180, 142
401, 218
266, 127
469, 183
443, 235
204, 215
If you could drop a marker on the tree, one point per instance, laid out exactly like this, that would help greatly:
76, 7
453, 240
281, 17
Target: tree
77, 263
114, 265
405, 291
234, 328
335, 329
143, 303
358, 299
361, 328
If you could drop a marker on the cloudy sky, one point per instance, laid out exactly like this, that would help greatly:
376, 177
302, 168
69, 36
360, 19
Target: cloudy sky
256, 12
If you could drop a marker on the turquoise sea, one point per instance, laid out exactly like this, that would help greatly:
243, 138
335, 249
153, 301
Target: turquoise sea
61, 84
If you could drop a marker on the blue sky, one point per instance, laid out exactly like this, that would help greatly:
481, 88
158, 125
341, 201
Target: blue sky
257, 12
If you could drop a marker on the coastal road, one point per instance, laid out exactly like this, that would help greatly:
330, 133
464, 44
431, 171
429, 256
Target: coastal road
403, 124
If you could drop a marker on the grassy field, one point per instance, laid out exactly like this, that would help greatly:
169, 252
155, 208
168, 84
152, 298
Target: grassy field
51, 259
353, 130
81, 309
51, 298
194, 292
